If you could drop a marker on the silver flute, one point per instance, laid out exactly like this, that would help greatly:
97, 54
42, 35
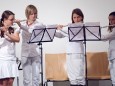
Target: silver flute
25, 20
101, 27
108, 26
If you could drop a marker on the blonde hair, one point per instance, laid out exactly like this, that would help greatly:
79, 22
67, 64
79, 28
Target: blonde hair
29, 10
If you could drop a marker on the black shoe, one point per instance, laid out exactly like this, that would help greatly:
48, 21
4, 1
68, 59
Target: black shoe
76, 85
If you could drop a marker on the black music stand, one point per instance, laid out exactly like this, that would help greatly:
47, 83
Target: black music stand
84, 32
45, 34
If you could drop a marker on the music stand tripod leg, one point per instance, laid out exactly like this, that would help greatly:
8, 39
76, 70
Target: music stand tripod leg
41, 49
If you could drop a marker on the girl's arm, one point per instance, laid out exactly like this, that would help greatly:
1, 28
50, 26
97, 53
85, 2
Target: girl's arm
20, 25
14, 37
63, 32
59, 35
109, 36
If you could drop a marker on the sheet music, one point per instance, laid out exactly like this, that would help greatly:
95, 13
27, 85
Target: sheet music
75, 24
37, 27
92, 30
42, 35
92, 23
76, 31
40, 26
50, 32
36, 35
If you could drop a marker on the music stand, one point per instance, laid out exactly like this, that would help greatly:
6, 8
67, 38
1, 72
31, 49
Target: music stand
84, 32
45, 34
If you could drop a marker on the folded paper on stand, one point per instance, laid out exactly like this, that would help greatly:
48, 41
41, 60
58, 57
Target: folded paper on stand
84, 31
43, 34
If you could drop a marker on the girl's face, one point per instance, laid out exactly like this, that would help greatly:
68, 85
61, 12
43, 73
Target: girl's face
112, 20
9, 21
33, 16
77, 18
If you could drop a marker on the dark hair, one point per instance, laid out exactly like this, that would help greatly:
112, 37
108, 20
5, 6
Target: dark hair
5, 15
78, 12
111, 27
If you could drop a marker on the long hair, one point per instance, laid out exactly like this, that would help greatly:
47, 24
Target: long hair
78, 12
111, 27
5, 15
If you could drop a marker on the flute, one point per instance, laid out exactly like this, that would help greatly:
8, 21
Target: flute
100, 27
21, 21
24, 20
108, 26
64, 31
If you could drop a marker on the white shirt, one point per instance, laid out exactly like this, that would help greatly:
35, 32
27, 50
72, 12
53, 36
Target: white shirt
29, 49
111, 38
7, 48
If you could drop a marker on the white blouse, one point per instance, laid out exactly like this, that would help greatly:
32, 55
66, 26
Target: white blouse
7, 48
111, 38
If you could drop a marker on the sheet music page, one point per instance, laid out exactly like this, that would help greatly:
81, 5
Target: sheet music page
92, 23
76, 31
92, 30
75, 24
43, 33
40, 27
36, 35
49, 33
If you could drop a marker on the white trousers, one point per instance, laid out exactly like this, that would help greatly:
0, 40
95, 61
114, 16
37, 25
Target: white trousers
31, 71
112, 70
76, 69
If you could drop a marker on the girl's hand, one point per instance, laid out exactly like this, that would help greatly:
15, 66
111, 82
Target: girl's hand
59, 27
18, 22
